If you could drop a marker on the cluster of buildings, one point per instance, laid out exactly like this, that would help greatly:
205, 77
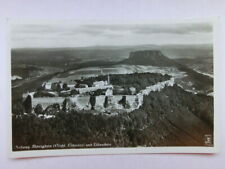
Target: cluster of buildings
78, 88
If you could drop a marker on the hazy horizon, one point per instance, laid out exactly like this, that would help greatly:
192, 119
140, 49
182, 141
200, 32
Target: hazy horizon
117, 46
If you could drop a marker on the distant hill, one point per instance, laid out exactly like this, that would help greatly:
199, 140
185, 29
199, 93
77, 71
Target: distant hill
59, 57
148, 57
156, 58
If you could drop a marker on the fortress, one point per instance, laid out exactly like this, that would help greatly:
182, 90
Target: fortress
97, 97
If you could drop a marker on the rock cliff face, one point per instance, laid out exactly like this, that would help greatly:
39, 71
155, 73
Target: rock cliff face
149, 57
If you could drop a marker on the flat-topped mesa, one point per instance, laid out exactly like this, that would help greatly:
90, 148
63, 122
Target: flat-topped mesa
145, 53
149, 57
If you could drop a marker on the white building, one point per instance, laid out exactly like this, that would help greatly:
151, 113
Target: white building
132, 90
109, 92
47, 85
15, 77
99, 83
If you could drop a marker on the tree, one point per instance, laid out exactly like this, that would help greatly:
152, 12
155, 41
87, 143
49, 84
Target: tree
56, 106
92, 101
58, 87
64, 105
65, 86
74, 92
38, 109
106, 102
17, 108
123, 101
27, 104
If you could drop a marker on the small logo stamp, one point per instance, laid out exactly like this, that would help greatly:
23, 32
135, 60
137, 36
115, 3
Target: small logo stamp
208, 139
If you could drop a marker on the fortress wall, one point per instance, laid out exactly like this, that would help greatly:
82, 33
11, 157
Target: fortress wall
47, 101
82, 102
90, 89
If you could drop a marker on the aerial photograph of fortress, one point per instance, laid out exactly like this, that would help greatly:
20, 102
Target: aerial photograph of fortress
99, 85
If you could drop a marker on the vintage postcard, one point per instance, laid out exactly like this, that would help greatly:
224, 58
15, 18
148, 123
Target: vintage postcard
111, 87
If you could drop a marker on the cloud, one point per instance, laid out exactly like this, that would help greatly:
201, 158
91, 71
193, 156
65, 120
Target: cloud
56, 34
155, 29
93, 29
175, 29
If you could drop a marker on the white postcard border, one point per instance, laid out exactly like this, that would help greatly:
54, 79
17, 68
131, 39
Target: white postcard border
130, 150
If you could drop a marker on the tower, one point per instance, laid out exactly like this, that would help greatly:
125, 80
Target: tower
108, 80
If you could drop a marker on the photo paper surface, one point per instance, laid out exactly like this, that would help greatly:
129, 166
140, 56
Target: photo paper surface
96, 87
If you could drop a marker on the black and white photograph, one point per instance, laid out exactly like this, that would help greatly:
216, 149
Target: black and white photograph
110, 86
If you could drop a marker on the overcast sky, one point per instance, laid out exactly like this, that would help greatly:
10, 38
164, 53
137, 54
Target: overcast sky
77, 35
